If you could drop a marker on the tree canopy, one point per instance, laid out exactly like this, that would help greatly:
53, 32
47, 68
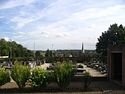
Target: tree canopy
14, 50
49, 56
114, 35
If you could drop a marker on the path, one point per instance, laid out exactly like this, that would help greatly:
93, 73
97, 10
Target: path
93, 72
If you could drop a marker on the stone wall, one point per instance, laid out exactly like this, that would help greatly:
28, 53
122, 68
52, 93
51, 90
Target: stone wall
111, 50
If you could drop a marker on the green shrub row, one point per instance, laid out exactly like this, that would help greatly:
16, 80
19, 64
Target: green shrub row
39, 78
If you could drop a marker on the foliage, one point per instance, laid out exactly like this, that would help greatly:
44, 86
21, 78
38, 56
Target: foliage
4, 48
37, 55
63, 74
114, 35
20, 74
87, 80
12, 49
40, 78
49, 56
4, 76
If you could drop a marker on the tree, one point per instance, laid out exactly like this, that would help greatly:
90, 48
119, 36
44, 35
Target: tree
4, 48
14, 50
114, 35
49, 56
37, 55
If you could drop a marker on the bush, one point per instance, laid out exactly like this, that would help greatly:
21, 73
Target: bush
87, 80
63, 74
4, 76
20, 74
40, 78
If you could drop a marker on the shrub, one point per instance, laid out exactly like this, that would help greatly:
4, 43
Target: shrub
20, 74
40, 78
87, 80
4, 76
63, 74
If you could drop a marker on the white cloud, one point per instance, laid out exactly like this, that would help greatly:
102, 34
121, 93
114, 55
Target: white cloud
54, 11
61, 10
6, 38
64, 23
75, 29
21, 22
15, 3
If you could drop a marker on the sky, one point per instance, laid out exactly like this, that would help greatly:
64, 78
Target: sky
58, 24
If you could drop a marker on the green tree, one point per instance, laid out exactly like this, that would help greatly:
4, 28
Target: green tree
4, 48
114, 35
49, 56
14, 50
37, 55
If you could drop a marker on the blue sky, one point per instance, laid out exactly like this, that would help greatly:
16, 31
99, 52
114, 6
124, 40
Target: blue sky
63, 23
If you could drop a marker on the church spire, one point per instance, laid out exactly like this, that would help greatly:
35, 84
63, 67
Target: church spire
83, 51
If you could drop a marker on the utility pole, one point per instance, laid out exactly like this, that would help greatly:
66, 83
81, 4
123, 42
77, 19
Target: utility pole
11, 50
34, 50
